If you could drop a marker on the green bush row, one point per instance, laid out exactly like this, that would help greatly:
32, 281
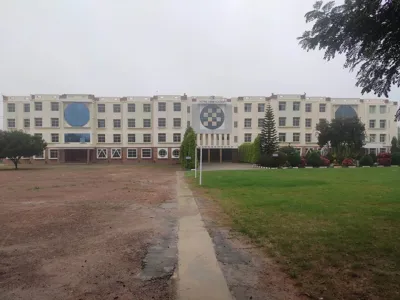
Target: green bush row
250, 152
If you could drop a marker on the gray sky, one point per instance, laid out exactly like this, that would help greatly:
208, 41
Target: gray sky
147, 47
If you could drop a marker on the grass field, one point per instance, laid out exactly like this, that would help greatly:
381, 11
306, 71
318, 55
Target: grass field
336, 231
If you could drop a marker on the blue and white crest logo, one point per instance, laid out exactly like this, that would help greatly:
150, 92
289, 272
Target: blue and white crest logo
212, 116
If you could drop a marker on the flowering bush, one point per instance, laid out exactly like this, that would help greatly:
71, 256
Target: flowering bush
303, 163
325, 161
385, 159
347, 162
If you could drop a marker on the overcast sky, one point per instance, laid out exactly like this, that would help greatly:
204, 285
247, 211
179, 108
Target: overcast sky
147, 47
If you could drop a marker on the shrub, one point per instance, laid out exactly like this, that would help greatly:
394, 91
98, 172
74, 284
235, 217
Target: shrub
385, 159
303, 162
347, 162
396, 158
325, 161
366, 160
314, 159
256, 150
273, 162
374, 157
246, 152
330, 157
294, 159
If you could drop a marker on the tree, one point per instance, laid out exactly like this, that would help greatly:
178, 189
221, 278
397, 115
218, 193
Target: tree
395, 145
17, 144
346, 136
269, 137
256, 149
188, 149
367, 32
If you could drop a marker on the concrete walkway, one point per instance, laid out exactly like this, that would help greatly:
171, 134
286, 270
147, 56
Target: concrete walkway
199, 275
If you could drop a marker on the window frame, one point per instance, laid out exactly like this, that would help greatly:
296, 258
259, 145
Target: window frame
38, 104
55, 135
29, 123
308, 107
131, 107
11, 121
308, 135
247, 137
116, 135
296, 106
296, 119
246, 124
384, 124
41, 122
146, 149
101, 135
116, 151
11, 105
282, 105
175, 139
384, 138
115, 122
162, 106
247, 107
130, 135
101, 107
175, 156
56, 121
116, 108
164, 135
101, 150
373, 122
145, 135
103, 121
144, 121
380, 109
282, 134
297, 134
129, 123
282, 119
27, 105
57, 104
146, 107
176, 105
310, 120
260, 125
133, 157
52, 151
160, 125
180, 122
261, 105
322, 105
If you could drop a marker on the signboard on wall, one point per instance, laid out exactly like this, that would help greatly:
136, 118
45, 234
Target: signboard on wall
212, 116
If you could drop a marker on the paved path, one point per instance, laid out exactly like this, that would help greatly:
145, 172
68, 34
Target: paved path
199, 274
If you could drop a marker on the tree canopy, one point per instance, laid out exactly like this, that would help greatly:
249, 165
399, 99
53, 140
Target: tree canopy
188, 149
17, 144
346, 136
367, 32
269, 137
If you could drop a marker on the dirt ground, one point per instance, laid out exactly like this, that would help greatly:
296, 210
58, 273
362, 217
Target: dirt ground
82, 232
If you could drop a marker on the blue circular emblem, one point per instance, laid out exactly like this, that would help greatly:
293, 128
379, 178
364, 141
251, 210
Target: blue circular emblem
212, 116
76, 114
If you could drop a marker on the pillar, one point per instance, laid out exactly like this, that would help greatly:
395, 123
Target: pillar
209, 155
220, 156
87, 156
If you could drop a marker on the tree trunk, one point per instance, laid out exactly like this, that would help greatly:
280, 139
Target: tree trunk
15, 161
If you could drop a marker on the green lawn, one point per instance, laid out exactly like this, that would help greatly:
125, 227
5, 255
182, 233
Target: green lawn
336, 231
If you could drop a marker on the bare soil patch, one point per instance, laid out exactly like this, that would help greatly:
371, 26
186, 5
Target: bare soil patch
82, 232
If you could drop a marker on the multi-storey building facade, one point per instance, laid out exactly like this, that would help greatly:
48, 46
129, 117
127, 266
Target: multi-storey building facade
85, 128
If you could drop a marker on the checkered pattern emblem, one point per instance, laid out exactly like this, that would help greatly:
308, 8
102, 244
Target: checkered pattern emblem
212, 116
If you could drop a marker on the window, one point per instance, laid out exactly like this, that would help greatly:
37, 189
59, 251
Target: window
101, 123
162, 122
282, 105
27, 123
116, 108
235, 109
175, 153
101, 153
296, 137
372, 151
54, 138
177, 122
308, 123
131, 107
27, 107
115, 152
177, 106
146, 108
188, 109
247, 137
131, 138
260, 123
117, 138
372, 109
282, 137
235, 124
38, 135
146, 153
11, 123
382, 150
55, 106
131, 123
308, 107
162, 106
11, 107
296, 106
177, 137
296, 121
38, 106
247, 107
162, 137
147, 138
282, 121
382, 109
322, 107
382, 138
371, 123
38, 122
382, 123
162, 153
308, 137
117, 123
261, 107
235, 139
101, 138
146, 123
131, 153
55, 122
53, 153
101, 108
247, 123
372, 138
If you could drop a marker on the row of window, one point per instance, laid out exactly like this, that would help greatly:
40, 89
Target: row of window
308, 137
382, 124
296, 106
281, 122
38, 106
133, 153
382, 109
